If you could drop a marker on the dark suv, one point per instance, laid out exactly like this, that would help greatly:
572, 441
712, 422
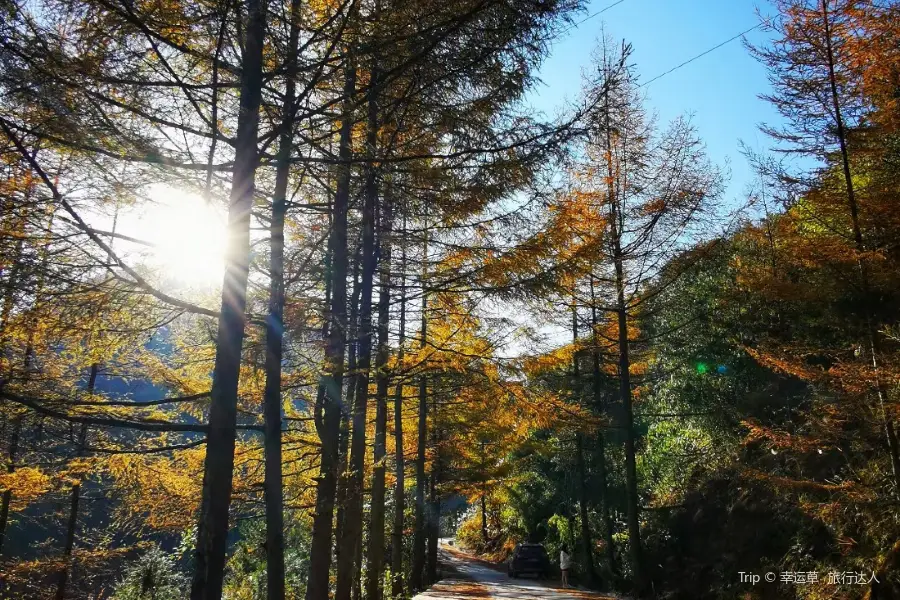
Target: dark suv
529, 558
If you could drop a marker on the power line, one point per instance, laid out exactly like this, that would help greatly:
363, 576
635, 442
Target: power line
704, 53
591, 16
675, 68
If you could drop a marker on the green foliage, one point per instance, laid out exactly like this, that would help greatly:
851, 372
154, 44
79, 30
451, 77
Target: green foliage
153, 576
246, 578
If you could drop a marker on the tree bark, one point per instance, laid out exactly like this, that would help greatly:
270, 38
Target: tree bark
319, 407
75, 499
399, 461
434, 504
320, 547
71, 529
8, 305
871, 333
357, 572
272, 407
484, 532
17, 224
344, 480
418, 558
586, 537
10, 468
351, 538
212, 528
602, 475
375, 559
631, 492
633, 505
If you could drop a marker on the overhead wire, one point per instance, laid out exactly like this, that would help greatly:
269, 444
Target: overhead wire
590, 16
679, 66
704, 53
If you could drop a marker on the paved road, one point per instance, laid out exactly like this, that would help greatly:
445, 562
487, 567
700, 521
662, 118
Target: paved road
470, 580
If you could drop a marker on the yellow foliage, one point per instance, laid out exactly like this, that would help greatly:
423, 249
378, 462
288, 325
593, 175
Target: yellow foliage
27, 484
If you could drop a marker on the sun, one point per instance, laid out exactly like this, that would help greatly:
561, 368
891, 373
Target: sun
185, 237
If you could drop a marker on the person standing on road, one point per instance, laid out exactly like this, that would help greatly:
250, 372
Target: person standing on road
565, 563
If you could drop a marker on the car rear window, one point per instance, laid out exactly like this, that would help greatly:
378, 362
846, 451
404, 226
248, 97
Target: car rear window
532, 552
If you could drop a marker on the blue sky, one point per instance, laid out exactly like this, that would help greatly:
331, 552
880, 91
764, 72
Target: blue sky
720, 89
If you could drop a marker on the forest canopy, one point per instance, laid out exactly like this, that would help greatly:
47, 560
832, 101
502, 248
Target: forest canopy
291, 292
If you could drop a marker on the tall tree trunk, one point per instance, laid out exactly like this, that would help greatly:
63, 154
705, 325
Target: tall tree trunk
631, 491
75, 499
343, 460
871, 332
587, 544
212, 528
344, 480
399, 461
434, 502
9, 302
275, 331
272, 398
357, 572
571, 519
319, 406
10, 468
320, 547
418, 550
602, 475
375, 559
418, 559
351, 538
633, 506
12, 280
484, 531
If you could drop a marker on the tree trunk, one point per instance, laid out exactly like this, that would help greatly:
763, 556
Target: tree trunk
586, 537
399, 462
212, 528
484, 532
608, 526
9, 302
357, 572
344, 459
418, 558
633, 506
275, 332
71, 528
601, 443
75, 499
320, 547
434, 505
319, 407
9, 292
351, 537
375, 559
10, 468
344, 479
871, 332
631, 493
571, 519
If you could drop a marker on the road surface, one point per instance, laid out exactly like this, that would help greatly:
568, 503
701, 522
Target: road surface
469, 579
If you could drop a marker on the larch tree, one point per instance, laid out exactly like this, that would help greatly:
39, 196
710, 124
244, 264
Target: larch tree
650, 192
819, 89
